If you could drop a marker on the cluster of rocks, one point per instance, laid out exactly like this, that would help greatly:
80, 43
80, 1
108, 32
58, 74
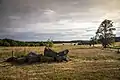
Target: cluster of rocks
49, 56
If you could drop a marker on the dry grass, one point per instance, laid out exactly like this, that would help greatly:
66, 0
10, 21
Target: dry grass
87, 63
117, 43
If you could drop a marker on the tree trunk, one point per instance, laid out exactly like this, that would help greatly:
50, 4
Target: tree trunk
105, 41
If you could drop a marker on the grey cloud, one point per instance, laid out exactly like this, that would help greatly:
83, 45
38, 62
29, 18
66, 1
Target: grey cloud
29, 36
16, 14
118, 33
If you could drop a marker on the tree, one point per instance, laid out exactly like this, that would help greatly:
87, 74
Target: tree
105, 33
13, 43
1, 43
6, 44
49, 43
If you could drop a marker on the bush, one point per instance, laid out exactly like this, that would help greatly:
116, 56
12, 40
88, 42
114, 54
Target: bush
1, 43
6, 44
49, 43
42, 44
13, 43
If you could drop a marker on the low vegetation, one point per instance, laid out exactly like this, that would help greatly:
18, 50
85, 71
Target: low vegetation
10, 43
86, 63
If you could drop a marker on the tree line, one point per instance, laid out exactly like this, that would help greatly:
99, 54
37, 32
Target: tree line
9, 42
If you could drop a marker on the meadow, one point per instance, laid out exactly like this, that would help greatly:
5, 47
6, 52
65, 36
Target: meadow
86, 63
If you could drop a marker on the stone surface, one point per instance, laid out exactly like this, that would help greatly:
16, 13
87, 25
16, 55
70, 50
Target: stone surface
47, 59
63, 53
21, 60
11, 59
33, 57
61, 56
49, 52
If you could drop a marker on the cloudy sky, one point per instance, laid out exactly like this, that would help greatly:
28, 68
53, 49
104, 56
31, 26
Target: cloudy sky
35, 20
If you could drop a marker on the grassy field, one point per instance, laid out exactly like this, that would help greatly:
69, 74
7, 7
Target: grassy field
87, 63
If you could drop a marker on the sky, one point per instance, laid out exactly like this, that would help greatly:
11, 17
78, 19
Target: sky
40, 20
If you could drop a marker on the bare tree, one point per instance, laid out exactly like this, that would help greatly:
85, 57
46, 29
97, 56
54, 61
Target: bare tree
105, 33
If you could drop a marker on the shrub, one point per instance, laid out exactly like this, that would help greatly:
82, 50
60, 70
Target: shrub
49, 43
6, 44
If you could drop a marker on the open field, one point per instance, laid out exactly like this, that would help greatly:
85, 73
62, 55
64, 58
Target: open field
87, 63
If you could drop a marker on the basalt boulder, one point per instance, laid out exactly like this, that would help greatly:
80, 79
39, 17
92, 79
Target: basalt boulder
33, 57
49, 52
11, 59
60, 56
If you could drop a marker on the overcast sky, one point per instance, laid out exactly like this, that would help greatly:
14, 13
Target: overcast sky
36, 20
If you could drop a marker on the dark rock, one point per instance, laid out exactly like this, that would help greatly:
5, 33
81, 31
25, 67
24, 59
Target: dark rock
32, 54
33, 57
47, 59
59, 59
49, 53
11, 59
61, 56
21, 60
63, 53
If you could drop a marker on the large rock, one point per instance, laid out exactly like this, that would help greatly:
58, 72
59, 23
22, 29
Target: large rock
49, 52
11, 59
63, 53
61, 56
47, 59
31, 54
33, 57
21, 60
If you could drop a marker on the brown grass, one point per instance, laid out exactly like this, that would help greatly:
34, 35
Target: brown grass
87, 63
